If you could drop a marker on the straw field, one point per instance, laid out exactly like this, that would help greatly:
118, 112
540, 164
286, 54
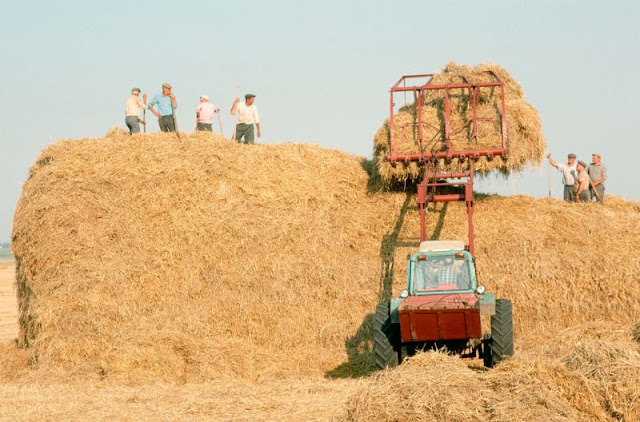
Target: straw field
526, 141
206, 280
8, 308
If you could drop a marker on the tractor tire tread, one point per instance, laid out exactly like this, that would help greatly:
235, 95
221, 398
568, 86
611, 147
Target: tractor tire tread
502, 331
384, 338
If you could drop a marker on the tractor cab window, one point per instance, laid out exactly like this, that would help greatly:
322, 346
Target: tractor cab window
446, 272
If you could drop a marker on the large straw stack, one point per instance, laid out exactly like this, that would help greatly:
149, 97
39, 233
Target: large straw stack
526, 141
146, 259
147, 256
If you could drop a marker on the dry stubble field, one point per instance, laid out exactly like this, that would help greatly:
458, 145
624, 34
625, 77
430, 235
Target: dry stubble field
8, 308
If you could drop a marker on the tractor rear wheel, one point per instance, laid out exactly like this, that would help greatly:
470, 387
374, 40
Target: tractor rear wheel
385, 338
502, 331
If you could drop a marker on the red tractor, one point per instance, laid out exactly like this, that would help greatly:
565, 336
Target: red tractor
441, 307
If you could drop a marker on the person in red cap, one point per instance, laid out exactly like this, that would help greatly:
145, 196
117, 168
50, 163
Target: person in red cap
569, 173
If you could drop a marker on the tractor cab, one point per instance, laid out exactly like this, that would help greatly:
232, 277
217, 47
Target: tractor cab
441, 267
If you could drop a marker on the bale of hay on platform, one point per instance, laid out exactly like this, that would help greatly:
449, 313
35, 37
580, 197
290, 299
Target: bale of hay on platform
525, 140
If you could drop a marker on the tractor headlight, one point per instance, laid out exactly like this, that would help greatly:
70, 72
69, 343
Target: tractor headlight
404, 293
480, 290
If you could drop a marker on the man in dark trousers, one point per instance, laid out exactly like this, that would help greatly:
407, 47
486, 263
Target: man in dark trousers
247, 117
598, 173
166, 103
569, 174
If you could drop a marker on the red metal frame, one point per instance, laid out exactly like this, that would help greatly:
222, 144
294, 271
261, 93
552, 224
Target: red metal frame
427, 192
439, 324
433, 179
419, 92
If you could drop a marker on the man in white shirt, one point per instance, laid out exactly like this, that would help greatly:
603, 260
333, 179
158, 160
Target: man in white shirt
205, 113
247, 117
569, 173
132, 111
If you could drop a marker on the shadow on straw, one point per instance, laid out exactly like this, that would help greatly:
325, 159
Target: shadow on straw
359, 347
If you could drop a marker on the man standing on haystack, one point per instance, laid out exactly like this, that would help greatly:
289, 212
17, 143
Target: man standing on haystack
247, 116
569, 173
166, 103
205, 113
132, 111
583, 181
598, 173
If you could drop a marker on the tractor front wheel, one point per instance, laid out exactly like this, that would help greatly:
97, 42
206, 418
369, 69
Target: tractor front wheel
385, 338
502, 331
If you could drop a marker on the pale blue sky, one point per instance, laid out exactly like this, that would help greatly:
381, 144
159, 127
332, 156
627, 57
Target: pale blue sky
321, 71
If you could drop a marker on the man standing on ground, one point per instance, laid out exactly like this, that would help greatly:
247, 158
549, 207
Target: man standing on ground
569, 174
132, 111
205, 113
166, 103
598, 174
247, 117
583, 194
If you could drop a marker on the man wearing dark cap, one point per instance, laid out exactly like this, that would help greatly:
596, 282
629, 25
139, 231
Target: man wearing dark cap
166, 103
583, 181
247, 117
132, 111
598, 174
569, 173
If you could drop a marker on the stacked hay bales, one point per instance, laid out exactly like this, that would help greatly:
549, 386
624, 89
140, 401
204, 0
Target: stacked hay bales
525, 138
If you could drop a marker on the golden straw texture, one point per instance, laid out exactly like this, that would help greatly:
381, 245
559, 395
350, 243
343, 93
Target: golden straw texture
253, 272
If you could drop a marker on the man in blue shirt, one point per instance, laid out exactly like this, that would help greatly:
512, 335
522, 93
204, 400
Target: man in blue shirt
166, 103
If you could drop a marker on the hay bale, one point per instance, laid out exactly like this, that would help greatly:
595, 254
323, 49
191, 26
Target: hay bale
586, 373
429, 387
526, 140
149, 258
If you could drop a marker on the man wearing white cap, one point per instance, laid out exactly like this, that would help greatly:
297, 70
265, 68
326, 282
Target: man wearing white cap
205, 113
132, 111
